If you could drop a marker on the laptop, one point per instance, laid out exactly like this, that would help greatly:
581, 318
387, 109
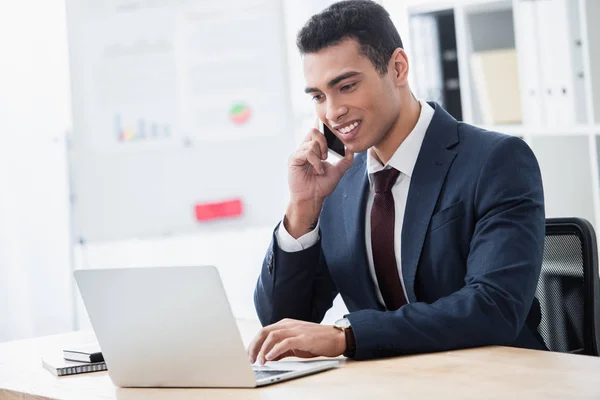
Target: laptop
173, 327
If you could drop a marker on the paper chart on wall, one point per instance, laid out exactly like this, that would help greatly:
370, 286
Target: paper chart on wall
130, 82
158, 77
230, 71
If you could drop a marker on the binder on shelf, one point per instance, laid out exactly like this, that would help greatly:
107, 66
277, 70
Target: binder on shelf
427, 64
527, 31
563, 84
435, 62
495, 75
447, 47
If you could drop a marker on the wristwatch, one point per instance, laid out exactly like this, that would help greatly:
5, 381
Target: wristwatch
344, 326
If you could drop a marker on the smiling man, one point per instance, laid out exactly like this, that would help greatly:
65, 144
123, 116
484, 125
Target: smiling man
432, 234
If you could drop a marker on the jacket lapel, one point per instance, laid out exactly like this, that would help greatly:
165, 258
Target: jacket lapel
435, 157
354, 201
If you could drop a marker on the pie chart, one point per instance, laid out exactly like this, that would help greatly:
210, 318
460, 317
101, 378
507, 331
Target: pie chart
240, 113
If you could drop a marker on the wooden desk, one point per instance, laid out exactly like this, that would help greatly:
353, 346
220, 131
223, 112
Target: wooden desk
491, 372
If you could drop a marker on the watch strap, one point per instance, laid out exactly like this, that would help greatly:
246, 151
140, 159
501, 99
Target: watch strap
350, 343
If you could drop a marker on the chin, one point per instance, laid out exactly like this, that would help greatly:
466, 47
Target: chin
357, 147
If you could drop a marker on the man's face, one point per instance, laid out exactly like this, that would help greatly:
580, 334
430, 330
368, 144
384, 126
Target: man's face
351, 97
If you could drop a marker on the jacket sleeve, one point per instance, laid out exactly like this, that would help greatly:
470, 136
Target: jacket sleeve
502, 270
293, 285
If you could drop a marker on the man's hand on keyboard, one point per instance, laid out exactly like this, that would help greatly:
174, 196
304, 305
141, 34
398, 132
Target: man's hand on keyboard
290, 337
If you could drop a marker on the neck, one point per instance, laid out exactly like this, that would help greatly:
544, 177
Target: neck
399, 131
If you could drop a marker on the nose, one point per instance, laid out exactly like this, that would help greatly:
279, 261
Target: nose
335, 111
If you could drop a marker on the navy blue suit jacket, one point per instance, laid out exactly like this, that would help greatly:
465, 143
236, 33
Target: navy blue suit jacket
472, 244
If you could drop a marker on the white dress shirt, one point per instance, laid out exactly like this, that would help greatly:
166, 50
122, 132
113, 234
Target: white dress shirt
404, 160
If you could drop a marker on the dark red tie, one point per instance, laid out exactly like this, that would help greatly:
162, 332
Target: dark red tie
382, 239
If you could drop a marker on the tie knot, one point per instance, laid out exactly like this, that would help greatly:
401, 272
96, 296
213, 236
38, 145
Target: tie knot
385, 179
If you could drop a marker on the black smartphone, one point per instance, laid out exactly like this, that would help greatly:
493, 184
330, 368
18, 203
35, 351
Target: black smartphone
334, 144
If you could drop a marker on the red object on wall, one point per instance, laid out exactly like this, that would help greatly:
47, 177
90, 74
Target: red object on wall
223, 209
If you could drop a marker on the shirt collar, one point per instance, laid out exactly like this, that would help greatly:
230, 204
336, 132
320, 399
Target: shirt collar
405, 156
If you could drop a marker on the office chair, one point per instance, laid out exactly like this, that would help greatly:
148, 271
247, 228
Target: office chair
568, 289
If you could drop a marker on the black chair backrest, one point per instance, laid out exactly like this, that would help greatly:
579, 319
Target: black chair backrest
568, 289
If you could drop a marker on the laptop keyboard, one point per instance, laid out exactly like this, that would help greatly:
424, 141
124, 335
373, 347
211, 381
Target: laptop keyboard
267, 374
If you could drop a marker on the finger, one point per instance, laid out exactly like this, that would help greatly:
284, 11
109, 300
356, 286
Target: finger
289, 353
261, 336
345, 163
318, 136
313, 146
298, 158
272, 339
316, 162
308, 153
283, 347
257, 343
317, 148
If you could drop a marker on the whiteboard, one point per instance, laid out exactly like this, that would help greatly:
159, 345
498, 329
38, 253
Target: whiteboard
176, 103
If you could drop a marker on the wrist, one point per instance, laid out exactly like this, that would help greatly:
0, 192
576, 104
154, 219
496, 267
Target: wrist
349, 343
340, 342
301, 218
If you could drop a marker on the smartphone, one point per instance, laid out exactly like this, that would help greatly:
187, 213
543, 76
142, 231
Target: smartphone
335, 145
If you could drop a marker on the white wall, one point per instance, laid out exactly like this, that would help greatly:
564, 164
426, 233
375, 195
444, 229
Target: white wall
35, 297
35, 279
238, 254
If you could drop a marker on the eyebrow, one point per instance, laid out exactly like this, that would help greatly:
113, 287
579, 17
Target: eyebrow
334, 81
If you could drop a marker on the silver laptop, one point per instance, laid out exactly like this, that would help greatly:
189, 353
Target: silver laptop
173, 327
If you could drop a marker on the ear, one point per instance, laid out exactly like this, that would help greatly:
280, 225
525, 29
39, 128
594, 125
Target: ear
399, 67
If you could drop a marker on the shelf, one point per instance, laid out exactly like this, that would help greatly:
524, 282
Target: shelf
486, 6
425, 6
523, 130
506, 58
428, 6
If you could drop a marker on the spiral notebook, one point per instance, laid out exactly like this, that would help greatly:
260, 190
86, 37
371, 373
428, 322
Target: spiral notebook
60, 367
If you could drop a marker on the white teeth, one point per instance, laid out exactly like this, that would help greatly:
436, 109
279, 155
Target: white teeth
349, 128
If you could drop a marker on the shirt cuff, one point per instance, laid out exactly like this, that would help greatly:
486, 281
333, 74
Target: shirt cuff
288, 244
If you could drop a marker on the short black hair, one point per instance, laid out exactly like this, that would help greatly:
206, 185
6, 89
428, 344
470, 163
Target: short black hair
365, 21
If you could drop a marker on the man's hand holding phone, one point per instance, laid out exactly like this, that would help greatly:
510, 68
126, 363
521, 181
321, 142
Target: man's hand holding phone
311, 179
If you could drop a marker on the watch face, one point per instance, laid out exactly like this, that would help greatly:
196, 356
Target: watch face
343, 323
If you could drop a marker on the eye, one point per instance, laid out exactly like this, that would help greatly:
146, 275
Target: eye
317, 97
347, 87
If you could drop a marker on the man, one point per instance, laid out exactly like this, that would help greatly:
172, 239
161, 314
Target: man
433, 235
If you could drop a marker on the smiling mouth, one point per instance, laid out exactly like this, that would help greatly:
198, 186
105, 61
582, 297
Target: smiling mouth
349, 132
